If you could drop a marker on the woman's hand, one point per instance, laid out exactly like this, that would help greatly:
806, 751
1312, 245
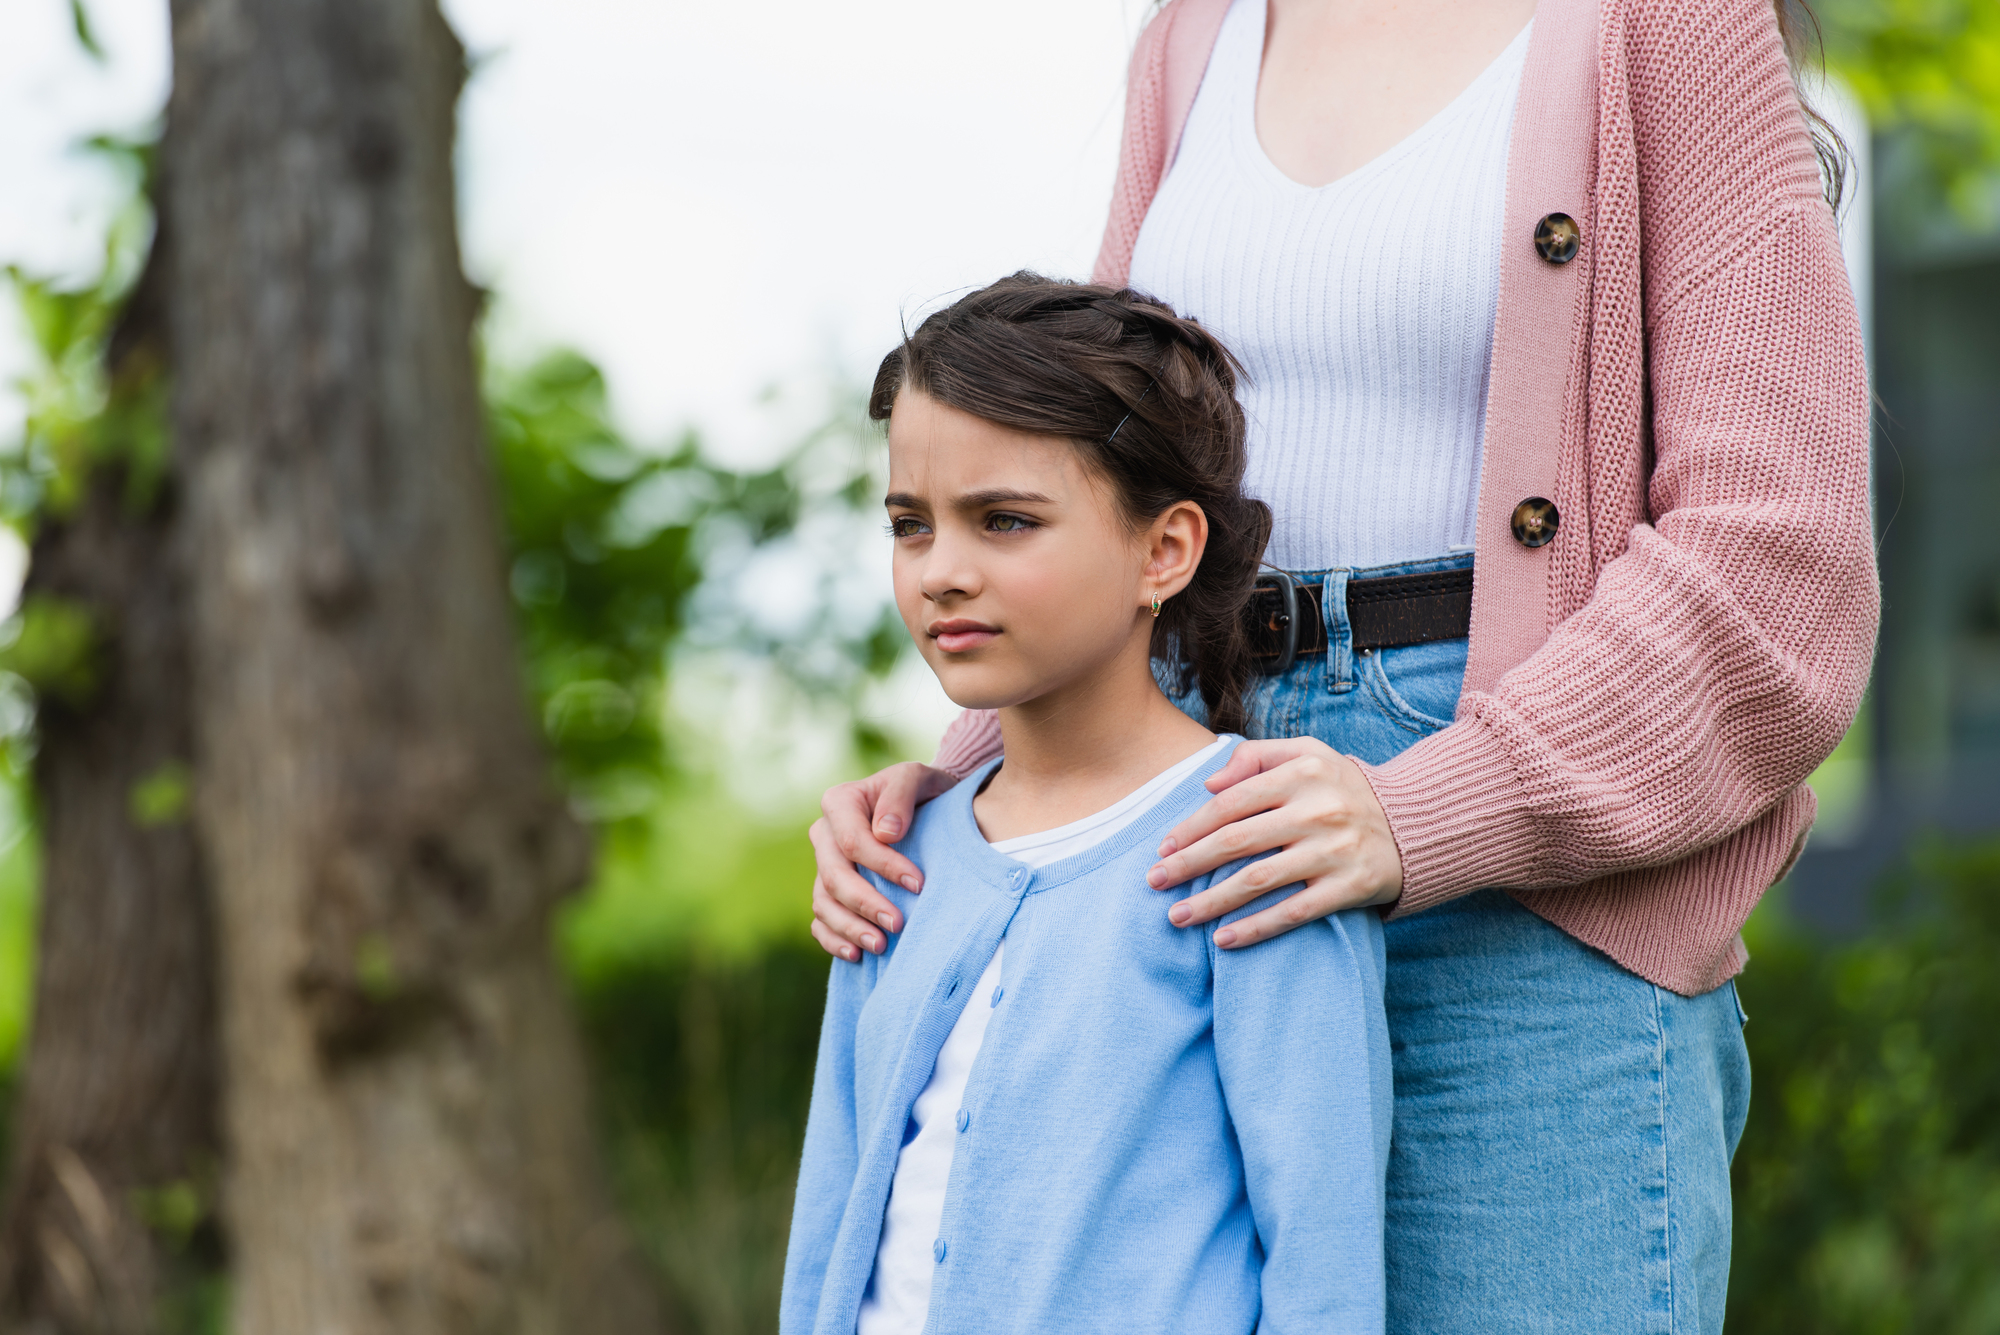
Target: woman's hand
1299, 795
859, 822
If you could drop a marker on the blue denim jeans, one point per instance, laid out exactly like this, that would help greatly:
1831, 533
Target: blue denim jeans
1563, 1127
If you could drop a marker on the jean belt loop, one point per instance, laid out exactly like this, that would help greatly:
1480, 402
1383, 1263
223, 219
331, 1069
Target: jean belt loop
1339, 634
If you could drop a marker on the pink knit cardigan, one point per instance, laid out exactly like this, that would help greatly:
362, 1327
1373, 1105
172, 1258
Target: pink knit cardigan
1647, 693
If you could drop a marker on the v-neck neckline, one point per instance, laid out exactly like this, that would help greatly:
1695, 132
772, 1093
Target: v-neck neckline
1243, 118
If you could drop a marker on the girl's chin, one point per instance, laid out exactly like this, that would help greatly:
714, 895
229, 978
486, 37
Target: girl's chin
981, 686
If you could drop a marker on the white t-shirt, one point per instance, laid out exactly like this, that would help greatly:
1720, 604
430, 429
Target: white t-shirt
898, 1300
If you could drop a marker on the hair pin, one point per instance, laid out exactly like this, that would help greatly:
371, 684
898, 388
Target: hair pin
1128, 413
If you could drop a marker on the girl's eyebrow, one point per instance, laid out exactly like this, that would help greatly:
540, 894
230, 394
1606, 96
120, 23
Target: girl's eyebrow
979, 500
971, 500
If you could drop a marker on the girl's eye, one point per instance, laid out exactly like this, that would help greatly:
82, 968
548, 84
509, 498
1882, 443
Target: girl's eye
907, 526
1010, 523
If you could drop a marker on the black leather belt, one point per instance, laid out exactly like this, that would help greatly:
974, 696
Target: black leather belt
1285, 621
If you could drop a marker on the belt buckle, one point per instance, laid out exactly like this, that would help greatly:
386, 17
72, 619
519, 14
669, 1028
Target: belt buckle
1286, 621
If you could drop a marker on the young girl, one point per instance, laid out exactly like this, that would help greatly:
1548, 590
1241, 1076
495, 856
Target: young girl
1045, 1107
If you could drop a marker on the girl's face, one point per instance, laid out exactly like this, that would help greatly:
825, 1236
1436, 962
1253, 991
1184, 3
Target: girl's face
1016, 572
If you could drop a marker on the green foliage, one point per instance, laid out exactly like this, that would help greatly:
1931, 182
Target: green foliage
600, 586
1868, 1182
705, 1073
375, 969
608, 546
77, 417
1930, 68
20, 876
86, 35
162, 797
51, 644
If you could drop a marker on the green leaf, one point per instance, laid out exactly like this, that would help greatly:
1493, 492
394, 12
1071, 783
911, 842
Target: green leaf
54, 648
162, 797
86, 37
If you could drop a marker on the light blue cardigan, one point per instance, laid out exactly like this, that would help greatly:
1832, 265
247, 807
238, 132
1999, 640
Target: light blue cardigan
1162, 1136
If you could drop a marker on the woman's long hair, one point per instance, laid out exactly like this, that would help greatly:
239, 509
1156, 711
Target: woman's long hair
1148, 399
1805, 47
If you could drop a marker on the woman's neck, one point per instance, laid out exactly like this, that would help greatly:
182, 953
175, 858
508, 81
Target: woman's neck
1079, 749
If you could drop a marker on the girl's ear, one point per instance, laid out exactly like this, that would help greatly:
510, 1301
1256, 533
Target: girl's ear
1174, 544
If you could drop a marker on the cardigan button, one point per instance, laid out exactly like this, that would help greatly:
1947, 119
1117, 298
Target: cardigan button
937, 1250
1556, 238
1535, 522
964, 1119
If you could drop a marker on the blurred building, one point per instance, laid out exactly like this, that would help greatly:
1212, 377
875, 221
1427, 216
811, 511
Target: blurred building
1926, 755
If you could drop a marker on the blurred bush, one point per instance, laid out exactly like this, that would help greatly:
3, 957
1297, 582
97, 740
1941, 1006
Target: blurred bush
1867, 1186
699, 989
1928, 70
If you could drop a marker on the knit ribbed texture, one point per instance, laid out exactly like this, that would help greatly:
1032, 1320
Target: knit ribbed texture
1362, 310
1648, 693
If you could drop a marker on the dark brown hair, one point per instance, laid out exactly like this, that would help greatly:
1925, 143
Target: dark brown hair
1148, 400
1805, 48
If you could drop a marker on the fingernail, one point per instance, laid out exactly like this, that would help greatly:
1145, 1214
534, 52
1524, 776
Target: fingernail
910, 884
888, 923
1226, 937
892, 826
1157, 878
1167, 847
1179, 914
851, 955
870, 942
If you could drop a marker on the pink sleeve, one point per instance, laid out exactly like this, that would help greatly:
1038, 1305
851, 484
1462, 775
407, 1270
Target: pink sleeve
972, 739
1722, 653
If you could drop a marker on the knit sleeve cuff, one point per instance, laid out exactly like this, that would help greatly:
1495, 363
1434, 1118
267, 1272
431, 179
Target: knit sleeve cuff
972, 739
1458, 814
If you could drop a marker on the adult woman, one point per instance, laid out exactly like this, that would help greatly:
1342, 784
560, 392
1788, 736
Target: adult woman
1662, 474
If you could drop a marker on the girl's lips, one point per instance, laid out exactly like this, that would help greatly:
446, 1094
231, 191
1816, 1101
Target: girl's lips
955, 637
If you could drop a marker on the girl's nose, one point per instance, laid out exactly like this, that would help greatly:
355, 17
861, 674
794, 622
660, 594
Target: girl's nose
947, 573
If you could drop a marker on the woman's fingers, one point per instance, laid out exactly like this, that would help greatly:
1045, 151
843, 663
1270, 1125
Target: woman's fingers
844, 900
1310, 904
1253, 758
1259, 878
849, 823
831, 941
1249, 783
1312, 804
861, 819
1271, 825
906, 787
1215, 834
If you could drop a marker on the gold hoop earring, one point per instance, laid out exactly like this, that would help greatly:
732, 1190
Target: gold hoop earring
1156, 605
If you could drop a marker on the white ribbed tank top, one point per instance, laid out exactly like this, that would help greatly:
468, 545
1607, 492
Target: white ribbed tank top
1362, 310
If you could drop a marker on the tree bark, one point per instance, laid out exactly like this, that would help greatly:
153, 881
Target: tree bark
410, 1149
117, 1098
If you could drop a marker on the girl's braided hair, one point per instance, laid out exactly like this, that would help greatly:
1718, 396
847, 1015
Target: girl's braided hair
1149, 400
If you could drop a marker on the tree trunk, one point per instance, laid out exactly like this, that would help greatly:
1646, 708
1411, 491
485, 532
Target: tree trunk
115, 1127
410, 1150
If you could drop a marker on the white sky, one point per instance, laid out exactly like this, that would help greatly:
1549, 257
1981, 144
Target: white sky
707, 198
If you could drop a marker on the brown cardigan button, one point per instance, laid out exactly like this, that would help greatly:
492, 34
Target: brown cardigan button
1556, 238
1535, 522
